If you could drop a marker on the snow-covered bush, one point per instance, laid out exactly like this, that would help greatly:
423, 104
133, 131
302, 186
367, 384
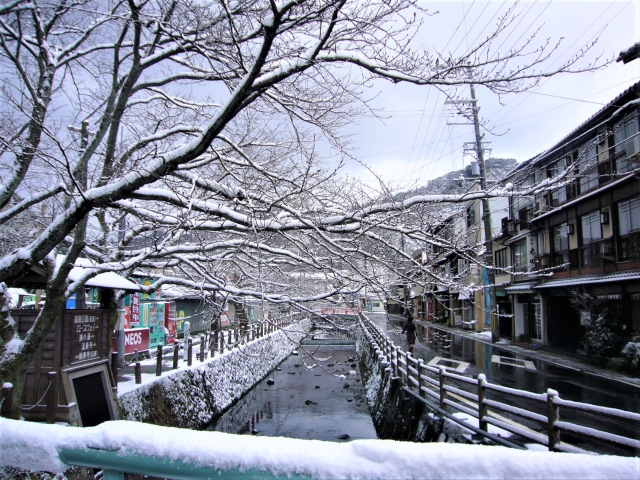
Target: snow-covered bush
599, 322
631, 352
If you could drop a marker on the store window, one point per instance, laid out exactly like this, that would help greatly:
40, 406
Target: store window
629, 229
635, 312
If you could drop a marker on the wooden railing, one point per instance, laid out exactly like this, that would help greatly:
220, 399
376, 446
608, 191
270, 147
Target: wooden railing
469, 395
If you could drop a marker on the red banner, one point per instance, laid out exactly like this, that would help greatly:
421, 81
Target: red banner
136, 339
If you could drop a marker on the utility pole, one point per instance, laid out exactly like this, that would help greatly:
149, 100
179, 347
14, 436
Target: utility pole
486, 219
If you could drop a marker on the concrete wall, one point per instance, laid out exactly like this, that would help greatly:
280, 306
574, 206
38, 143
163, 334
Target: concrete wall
193, 398
397, 415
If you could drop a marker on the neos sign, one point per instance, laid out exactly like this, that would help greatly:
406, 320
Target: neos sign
136, 339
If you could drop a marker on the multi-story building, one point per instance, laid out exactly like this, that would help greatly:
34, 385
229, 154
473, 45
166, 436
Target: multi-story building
577, 243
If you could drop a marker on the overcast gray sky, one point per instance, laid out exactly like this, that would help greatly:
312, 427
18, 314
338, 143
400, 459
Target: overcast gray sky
413, 143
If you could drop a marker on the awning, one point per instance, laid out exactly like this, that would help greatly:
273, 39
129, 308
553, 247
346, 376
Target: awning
524, 287
592, 279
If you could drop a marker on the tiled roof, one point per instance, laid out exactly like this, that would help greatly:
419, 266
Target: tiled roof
519, 287
590, 279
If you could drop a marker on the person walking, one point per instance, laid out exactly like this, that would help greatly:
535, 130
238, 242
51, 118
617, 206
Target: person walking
410, 328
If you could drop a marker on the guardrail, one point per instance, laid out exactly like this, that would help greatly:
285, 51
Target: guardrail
437, 384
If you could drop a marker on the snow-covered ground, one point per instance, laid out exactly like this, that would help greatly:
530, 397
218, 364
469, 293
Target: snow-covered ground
36, 446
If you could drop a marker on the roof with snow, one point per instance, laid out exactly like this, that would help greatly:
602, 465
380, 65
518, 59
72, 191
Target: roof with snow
629, 54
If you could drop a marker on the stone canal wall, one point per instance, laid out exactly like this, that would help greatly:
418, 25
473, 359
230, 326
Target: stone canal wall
193, 398
397, 415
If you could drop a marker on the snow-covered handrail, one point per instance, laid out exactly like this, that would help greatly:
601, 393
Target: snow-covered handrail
432, 381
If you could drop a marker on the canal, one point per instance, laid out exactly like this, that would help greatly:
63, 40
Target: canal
314, 394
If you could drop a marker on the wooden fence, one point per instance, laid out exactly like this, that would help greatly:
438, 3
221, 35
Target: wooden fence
469, 395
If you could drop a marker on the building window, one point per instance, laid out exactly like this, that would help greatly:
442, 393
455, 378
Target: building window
629, 229
560, 244
519, 251
502, 260
588, 161
621, 132
471, 215
590, 237
558, 197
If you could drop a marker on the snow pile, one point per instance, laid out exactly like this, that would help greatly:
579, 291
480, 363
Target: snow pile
35, 446
193, 397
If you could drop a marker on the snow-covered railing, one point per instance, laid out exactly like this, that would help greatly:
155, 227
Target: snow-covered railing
435, 383
337, 311
209, 343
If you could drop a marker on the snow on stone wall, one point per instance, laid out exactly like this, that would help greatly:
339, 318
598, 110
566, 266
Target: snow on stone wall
192, 398
396, 416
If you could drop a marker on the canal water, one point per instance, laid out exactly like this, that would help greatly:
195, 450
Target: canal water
317, 394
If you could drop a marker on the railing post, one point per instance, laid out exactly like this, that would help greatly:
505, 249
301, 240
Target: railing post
405, 357
229, 339
202, 348
395, 365
52, 397
176, 353
221, 342
421, 384
443, 392
159, 361
553, 415
482, 408
114, 369
190, 352
214, 341
7, 400
137, 372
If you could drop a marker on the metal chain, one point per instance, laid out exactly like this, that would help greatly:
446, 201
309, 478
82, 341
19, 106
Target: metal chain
41, 398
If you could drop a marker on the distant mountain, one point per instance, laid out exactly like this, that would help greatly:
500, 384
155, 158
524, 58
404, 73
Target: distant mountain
450, 183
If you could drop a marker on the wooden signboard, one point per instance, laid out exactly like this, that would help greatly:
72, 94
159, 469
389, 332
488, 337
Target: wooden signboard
77, 345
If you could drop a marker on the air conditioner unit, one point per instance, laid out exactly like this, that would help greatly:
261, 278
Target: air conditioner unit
633, 148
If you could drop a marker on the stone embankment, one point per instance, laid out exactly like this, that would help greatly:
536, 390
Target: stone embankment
397, 415
193, 398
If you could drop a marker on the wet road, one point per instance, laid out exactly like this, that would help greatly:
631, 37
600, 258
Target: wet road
308, 403
468, 357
